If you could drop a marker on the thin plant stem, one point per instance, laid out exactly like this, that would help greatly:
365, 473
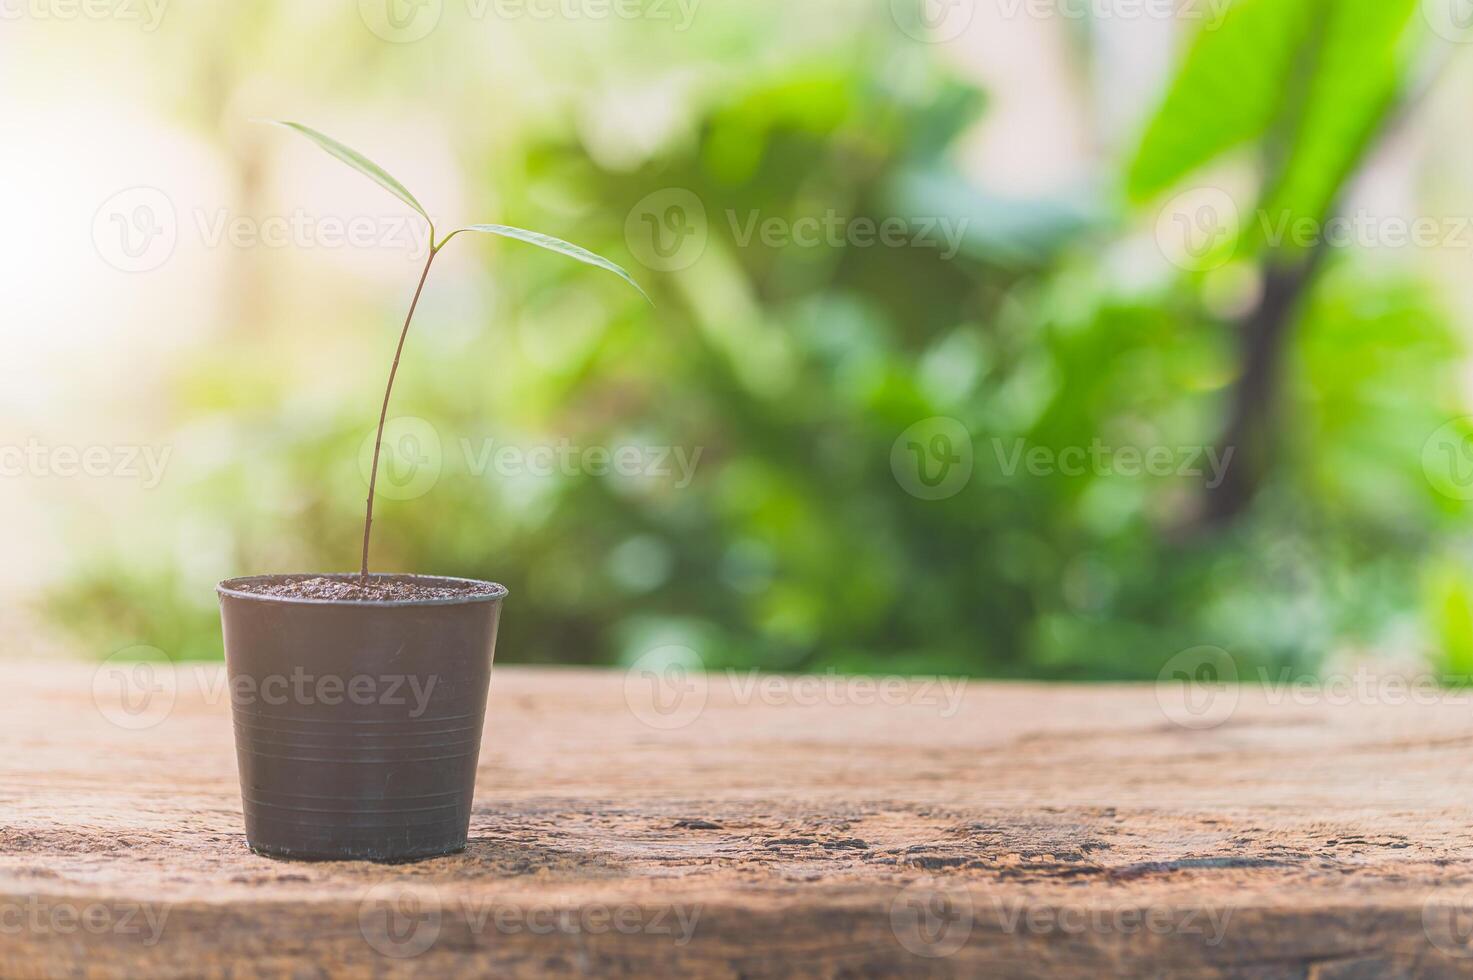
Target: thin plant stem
384, 411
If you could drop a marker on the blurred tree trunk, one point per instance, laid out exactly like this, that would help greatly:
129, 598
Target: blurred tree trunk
1249, 435
1264, 334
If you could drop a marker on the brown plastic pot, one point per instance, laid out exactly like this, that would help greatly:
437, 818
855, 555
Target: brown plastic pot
358, 724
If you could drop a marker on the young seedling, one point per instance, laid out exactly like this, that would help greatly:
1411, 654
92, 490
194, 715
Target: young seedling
372, 170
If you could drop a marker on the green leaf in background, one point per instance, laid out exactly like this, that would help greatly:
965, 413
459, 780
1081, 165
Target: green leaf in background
1229, 90
553, 245
358, 162
1449, 608
1359, 65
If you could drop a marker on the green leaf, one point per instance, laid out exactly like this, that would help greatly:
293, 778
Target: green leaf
1358, 73
1449, 600
358, 162
1230, 89
553, 245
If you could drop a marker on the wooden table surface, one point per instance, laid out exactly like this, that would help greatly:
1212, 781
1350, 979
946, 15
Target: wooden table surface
766, 828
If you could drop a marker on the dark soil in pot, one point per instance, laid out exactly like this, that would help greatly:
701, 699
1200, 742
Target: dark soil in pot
378, 588
358, 710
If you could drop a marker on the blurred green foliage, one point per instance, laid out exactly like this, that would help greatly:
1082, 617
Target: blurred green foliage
794, 371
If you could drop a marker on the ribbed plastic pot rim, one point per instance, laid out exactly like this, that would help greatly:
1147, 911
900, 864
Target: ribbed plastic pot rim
232, 588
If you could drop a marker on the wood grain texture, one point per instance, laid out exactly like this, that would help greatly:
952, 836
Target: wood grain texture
780, 830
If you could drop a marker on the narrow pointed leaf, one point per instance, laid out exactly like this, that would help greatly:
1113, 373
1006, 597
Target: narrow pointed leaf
554, 245
358, 162
1229, 90
1359, 71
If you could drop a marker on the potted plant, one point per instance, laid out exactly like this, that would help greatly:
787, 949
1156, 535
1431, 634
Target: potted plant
359, 698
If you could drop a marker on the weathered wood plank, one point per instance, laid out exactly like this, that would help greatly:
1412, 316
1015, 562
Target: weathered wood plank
1019, 830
